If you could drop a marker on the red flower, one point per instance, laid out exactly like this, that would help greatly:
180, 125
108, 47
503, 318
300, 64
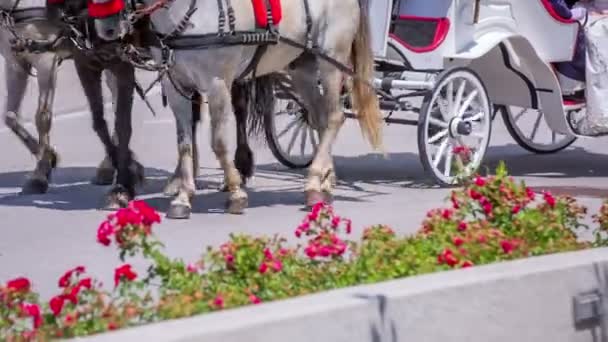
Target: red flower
229, 258
112, 326
325, 251
474, 194
530, 194
104, 232
218, 302
507, 246
64, 281
33, 310
549, 199
122, 272
148, 214
447, 214
466, 264
192, 268
482, 239
458, 241
254, 299
487, 208
480, 181
462, 226
69, 320
56, 304
20, 284
516, 209
447, 257
263, 268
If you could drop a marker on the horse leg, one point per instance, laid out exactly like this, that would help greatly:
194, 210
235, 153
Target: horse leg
172, 186
321, 174
104, 175
16, 83
90, 78
181, 205
220, 110
46, 68
129, 172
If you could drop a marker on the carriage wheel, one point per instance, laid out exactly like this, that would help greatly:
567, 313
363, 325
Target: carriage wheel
455, 126
290, 138
529, 129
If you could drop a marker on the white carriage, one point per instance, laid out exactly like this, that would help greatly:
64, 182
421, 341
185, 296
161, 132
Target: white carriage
467, 60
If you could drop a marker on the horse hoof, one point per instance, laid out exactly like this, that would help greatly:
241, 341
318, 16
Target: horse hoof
179, 212
35, 186
313, 197
103, 177
117, 198
53, 158
224, 188
237, 206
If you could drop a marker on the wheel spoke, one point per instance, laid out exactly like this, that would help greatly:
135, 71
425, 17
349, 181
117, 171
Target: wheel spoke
313, 139
475, 117
448, 163
290, 126
466, 103
553, 137
438, 136
458, 99
438, 122
303, 141
450, 98
294, 137
536, 125
442, 148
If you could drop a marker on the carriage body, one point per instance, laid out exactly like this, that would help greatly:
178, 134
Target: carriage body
500, 52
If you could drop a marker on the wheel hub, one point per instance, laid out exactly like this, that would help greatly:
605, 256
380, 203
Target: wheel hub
459, 127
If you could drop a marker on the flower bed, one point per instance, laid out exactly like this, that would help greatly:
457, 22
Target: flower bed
490, 220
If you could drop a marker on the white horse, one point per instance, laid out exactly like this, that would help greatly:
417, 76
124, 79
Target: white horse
27, 19
339, 28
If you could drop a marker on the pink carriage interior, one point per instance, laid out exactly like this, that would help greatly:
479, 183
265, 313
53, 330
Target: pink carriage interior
423, 34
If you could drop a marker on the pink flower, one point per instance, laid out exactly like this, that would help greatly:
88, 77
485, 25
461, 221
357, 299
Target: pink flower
298, 233
277, 266
479, 181
482, 239
516, 209
218, 301
462, 226
268, 254
530, 194
20, 284
311, 251
254, 299
446, 214
229, 258
192, 268
335, 222
447, 257
263, 268
487, 208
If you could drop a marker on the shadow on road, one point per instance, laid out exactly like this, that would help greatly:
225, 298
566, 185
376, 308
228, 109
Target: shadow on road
360, 179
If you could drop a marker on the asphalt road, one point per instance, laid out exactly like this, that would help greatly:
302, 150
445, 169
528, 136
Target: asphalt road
41, 236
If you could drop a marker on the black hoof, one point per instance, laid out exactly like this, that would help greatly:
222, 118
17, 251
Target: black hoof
35, 186
237, 206
179, 212
117, 198
103, 177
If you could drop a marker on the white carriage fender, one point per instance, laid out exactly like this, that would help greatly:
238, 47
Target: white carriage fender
524, 61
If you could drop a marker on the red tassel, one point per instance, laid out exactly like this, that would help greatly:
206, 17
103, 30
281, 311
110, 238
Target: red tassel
106, 9
259, 9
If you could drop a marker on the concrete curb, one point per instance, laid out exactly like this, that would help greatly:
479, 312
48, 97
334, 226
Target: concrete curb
523, 300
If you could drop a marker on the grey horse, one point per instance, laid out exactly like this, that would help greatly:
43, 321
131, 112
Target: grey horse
337, 27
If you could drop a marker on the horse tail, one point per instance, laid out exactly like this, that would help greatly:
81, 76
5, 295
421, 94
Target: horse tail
365, 101
262, 106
